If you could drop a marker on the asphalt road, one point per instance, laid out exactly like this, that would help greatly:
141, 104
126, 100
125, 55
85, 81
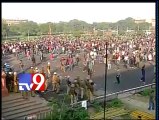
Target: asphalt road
130, 78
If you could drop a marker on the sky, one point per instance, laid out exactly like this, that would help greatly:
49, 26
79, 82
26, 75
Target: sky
88, 12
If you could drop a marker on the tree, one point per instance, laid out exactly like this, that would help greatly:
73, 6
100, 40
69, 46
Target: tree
62, 111
76, 27
5, 29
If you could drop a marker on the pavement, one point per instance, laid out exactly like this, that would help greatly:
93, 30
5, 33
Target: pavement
138, 102
130, 77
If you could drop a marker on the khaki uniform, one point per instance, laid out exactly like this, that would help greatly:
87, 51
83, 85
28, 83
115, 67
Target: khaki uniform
32, 93
42, 71
46, 82
56, 83
87, 84
63, 68
73, 94
15, 83
10, 79
68, 83
82, 88
90, 91
48, 70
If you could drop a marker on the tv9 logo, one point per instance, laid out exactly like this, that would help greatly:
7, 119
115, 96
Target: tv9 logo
31, 82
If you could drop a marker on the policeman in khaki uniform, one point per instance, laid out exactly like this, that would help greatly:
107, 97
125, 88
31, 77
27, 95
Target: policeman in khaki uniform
87, 84
56, 82
90, 90
42, 71
77, 87
15, 83
32, 71
73, 94
11, 79
48, 69
68, 83
83, 88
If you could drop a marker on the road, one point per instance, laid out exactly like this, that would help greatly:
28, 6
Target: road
130, 78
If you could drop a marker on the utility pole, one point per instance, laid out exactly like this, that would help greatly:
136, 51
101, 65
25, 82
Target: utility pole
105, 81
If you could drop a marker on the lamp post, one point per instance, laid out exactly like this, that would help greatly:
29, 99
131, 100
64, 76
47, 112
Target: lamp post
105, 81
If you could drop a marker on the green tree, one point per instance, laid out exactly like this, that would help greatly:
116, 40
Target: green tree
62, 111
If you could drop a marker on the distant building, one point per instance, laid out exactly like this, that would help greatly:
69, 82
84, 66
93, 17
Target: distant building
140, 21
153, 22
13, 22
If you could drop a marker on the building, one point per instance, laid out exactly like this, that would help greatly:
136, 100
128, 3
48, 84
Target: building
13, 22
153, 22
140, 21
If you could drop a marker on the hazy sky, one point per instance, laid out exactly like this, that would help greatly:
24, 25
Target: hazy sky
89, 12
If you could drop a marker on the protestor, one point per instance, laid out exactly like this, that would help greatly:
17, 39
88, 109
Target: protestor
21, 65
143, 74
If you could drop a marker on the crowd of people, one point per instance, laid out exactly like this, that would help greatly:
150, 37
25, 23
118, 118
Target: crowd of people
89, 51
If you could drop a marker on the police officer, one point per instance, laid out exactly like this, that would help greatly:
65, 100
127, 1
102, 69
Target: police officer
56, 82
87, 84
82, 88
15, 83
73, 94
10, 81
48, 69
68, 83
77, 87
32, 71
42, 70
90, 90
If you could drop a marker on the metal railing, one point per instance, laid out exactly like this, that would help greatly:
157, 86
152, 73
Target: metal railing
116, 94
44, 114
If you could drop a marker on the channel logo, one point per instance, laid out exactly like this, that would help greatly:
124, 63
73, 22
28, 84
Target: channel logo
31, 82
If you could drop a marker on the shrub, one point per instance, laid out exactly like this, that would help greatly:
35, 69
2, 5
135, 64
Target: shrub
146, 92
97, 106
114, 103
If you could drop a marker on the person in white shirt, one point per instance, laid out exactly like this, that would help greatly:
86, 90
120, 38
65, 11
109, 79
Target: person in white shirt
150, 57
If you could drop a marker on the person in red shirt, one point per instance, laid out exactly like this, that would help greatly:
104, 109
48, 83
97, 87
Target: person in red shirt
51, 56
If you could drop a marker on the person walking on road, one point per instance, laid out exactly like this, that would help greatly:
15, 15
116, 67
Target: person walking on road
118, 77
33, 60
143, 74
151, 101
56, 83
21, 65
